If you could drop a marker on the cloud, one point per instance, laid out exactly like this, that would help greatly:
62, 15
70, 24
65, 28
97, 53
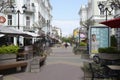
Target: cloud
67, 26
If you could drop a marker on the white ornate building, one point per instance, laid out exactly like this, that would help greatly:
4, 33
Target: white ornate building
92, 12
117, 30
36, 17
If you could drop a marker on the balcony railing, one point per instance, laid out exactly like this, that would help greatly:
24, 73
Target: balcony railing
27, 28
30, 8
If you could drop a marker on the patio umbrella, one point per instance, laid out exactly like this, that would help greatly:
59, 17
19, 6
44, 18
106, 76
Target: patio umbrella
113, 23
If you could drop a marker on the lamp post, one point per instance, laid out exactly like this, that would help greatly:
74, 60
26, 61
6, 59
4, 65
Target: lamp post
18, 13
79, 37
105, 9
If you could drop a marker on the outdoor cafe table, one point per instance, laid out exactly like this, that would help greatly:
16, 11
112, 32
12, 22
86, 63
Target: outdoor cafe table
116, 69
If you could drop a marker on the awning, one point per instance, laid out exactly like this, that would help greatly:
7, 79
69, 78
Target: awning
113, 23
31, 34
11, 31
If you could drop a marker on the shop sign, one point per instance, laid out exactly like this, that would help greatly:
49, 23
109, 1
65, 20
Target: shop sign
2, 19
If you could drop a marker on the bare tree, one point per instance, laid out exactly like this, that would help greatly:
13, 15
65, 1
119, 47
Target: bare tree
87, 24
38, 24
4, 4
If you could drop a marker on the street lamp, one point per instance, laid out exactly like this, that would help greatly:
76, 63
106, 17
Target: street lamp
105, 9
79, 36
18, 13
114, 4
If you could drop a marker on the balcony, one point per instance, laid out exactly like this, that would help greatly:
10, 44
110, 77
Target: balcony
30, 8
27, 28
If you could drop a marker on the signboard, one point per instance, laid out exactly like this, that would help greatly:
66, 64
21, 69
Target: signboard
2, 19
99, 38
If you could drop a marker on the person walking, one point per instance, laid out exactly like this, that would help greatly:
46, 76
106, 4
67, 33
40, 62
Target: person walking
66, 45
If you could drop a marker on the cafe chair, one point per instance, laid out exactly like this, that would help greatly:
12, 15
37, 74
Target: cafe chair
99, 72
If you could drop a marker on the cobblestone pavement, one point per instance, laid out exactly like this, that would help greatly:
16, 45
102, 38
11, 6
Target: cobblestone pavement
61, 64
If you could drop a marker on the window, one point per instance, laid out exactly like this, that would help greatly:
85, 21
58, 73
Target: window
28, 4
27, 21
33, 5
9, 19
13, 1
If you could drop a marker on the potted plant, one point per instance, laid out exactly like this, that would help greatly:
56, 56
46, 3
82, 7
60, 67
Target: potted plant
110, 53
81, 49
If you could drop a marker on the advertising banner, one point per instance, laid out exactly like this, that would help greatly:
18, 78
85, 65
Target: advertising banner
99, 38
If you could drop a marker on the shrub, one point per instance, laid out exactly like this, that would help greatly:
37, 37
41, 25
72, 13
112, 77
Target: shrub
113, 41
9, 49
83, 44
108, 50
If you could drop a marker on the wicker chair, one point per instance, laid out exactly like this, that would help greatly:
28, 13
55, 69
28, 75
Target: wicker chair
99, 72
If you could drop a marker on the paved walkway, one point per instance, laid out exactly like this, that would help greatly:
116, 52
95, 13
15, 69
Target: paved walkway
62, 64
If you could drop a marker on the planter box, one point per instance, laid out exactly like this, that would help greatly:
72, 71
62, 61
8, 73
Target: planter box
80, 50
109, 56
7, 58
83, 47
85, 56
87, 75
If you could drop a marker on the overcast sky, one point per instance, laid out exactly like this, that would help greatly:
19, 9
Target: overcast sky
65, 14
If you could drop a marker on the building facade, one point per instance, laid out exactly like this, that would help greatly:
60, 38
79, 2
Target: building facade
36, 18
56, 33
91, 12
117, 30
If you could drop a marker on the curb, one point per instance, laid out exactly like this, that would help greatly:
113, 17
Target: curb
10, 78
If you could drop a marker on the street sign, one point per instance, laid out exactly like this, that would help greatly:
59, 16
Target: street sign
102, 38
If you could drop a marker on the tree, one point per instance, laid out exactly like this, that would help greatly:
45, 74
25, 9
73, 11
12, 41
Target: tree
37, 25
67, 39
87, 24
113, 41
116, 3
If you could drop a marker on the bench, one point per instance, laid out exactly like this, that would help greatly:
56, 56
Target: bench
12, 67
